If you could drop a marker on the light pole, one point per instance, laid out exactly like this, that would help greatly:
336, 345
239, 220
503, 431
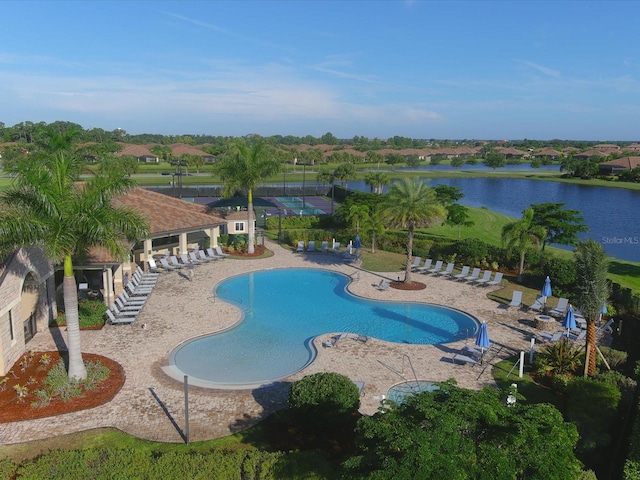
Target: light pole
284, 179
304, 202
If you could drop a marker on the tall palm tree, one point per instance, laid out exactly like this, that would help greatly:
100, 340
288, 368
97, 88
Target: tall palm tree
358, 214
46, 208
410, 204
373, 225
591, 291
523, 234
244, 167
376, 180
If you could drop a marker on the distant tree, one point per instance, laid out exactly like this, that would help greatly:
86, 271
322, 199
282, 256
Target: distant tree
357, 214
192, 160
523, 234
410, 204
494, 159
162, 151
447, 194
126, 164
458, 216
562, 226
464, 434
394, 158
376, 180
373, 225
457, 162
374, 157
345, 172
591, 291
412, 161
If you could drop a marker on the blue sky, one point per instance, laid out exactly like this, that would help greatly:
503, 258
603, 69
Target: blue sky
421, 69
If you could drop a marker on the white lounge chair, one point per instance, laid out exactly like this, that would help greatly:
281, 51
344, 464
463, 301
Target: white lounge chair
118, 313
213, 254
220, 253
606, 327
324, 247
416, 263
114, 319
173, 261
140, 291
447, 271
538, 305
484, 279
459, 358
471, 351
153, 267
166, 266
426, 266
463, 273
144, 274
126, 308
577, 337
300, 247
551, 337
383, 286
497, 279
475, 274
561, 308
516, 299
436, 268
140, 300
202, 256
336, 247
195, 260
311, 247
139, 280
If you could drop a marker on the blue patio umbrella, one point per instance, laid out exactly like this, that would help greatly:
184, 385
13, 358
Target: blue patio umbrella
482, 337
357, 242
546, 289
569, 321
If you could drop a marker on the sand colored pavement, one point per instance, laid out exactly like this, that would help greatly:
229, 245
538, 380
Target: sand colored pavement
151, 404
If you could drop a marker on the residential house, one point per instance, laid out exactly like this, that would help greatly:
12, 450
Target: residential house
615, 167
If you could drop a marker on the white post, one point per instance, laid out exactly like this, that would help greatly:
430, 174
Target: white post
533, 342
521, 372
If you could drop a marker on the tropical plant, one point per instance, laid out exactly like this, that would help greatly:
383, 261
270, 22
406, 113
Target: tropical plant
562, 226
410, 204
522, 235
376, 180
46, 208
591, 290
458, 216
244, 167
559, 358
374, 226
358, 214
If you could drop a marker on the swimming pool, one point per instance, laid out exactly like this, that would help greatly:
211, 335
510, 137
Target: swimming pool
399, 393
284, 309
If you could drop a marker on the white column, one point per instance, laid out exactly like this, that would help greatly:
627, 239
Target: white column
182, 244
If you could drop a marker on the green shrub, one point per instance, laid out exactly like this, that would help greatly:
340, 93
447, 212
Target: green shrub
90, 314
472, 251
614, 358
7, 468
335, 392
559, 358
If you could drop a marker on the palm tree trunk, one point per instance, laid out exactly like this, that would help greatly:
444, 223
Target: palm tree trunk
590, 362
521, 266
251, 226
77, 370
407, 267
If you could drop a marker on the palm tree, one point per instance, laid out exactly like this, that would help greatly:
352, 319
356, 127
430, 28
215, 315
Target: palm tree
243, 168
46, 208
410, 204
376, 180
373, 225
522, 235
358, 214
591, 290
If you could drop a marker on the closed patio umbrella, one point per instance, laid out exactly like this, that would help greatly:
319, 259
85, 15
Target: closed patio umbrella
569, 321
482, 337
546, 290
357, 242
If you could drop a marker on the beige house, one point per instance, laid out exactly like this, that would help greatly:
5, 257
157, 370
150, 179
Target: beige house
27, 302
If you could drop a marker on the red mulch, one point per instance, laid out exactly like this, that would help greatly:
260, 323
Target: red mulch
408, 286
258, 251
32, 377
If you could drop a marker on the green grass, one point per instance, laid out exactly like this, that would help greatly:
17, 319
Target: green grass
533, 392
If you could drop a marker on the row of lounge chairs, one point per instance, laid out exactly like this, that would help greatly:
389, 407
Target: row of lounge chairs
171, 262
311, 247
131, 301
474, 277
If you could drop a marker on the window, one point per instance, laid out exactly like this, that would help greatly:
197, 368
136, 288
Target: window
10, 325
239, 227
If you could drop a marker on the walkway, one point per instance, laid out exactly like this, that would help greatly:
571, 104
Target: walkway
151, 405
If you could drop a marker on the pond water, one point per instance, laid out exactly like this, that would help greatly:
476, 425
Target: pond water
610, 213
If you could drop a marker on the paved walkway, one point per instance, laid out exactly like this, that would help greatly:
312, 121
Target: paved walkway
151, 405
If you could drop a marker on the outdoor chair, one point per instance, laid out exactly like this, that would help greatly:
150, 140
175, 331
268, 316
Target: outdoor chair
436, 268
538, 305
220, 253
115, 320
174, 262
446, 272
201, 255
300, 247
516, 299
463, 273
497, 279
484, 279
416, 263
426, 266
311, 247
324, 247
561, 308
166, 266
459, 358
213, 254
475, 273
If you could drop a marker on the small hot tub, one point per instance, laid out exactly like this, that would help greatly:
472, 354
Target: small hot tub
399, 393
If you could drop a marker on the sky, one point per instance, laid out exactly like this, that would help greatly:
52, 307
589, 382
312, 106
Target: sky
422, 69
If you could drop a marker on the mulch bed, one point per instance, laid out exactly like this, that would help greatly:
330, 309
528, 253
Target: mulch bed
258, 252
408, 286
11, 410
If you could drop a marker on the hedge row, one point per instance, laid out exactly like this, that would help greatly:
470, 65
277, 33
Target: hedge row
106, 463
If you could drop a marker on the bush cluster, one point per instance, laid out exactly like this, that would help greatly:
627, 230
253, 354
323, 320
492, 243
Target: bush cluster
90, 314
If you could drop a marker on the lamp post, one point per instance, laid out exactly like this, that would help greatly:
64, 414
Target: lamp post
284, 179
304, 202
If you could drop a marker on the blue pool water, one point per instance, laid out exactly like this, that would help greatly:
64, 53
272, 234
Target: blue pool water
284, 309
399, 393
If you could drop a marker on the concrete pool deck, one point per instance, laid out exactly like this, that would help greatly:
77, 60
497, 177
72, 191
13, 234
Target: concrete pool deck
151, 404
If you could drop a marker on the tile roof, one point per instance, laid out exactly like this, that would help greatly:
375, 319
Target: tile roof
630, 162
136, 150
168, 215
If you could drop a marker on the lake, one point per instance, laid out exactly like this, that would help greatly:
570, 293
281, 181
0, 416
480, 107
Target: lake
610, 213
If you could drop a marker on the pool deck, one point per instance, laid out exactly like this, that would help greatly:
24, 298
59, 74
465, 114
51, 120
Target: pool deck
151, 404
